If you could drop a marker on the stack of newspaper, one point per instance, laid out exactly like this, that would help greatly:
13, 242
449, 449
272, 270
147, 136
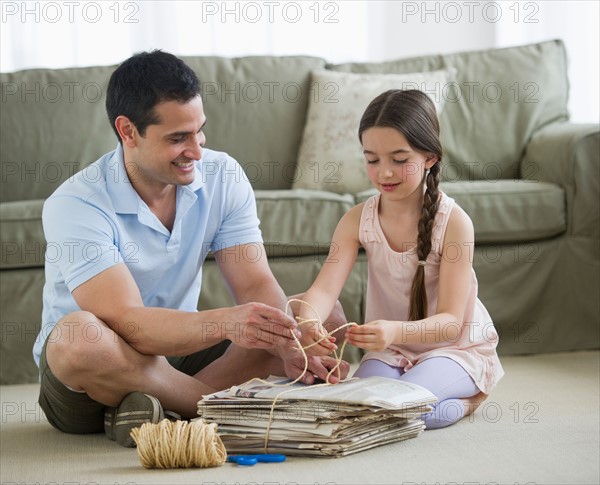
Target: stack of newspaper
326, 421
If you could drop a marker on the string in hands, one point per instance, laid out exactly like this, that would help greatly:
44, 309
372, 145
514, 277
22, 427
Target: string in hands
323, 335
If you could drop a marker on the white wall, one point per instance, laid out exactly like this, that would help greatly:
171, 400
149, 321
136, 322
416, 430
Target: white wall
411, 28
80, 33
576, 23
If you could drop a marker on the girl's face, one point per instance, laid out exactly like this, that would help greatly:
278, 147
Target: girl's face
394, 168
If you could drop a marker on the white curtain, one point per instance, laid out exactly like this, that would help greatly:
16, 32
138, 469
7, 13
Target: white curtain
59, 34
81, 33
576, 23
412, 28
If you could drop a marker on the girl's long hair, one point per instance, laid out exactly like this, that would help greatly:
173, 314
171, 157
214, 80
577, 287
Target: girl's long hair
413, 114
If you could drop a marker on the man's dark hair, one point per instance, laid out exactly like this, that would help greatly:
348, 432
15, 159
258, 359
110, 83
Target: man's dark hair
143, 81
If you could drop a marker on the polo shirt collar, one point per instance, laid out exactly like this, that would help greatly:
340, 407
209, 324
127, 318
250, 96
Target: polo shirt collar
125, 198
198, 179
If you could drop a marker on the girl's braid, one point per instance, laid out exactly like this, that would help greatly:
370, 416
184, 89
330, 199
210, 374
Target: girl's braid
418, 306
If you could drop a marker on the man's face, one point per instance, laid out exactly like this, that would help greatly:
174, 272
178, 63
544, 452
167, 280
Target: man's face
166, 154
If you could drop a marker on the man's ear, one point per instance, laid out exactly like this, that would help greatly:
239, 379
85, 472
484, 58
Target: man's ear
126, 130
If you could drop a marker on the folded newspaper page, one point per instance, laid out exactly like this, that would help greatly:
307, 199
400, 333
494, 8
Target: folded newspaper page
372, 391
320, 421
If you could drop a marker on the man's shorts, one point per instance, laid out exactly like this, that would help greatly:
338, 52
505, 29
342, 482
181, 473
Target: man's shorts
75, 412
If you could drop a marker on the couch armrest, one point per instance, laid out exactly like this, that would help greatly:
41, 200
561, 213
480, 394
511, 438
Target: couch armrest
569, 155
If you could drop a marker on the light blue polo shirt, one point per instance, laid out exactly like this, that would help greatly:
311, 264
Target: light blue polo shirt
96, 219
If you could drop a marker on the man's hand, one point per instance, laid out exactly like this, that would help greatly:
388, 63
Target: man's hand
318, 367
377, 335
258, 326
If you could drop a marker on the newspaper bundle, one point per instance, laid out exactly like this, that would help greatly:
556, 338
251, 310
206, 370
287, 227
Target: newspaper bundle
320, 421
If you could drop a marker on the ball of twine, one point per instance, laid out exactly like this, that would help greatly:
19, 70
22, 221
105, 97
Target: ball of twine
179, 444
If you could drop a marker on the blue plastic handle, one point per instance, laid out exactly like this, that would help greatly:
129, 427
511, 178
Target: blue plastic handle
246, 461
250, 460
267, 458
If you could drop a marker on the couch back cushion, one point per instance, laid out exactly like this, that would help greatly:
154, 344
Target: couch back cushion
256, 108
53, 121
500, 97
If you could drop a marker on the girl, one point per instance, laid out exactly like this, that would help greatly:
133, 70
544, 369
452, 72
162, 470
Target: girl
425, 323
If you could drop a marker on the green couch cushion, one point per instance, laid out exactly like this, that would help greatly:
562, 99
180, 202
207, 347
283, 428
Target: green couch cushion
501, 96
21, 304
21, 234
507, 211
298, 222
52, 124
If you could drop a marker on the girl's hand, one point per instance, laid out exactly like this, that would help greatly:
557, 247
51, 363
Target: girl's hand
310, 335
376, 335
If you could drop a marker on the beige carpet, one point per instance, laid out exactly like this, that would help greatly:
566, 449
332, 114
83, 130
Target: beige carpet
540, 426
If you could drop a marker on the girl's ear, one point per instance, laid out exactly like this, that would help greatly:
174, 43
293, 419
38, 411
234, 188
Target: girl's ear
431, 160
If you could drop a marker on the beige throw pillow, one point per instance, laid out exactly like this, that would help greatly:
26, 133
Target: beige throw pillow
330, 156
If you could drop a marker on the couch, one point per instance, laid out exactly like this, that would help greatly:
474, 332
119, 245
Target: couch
528, 178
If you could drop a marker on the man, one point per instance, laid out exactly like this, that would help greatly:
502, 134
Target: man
134, 229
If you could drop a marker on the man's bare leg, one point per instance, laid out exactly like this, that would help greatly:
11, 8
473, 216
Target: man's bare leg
85, 354
238, 365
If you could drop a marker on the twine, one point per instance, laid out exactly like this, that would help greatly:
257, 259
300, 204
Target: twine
179, 444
